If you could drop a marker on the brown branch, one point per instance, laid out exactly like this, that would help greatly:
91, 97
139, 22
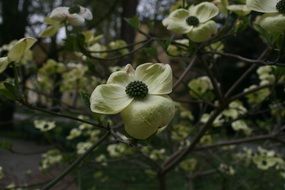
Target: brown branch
75, 163
188, 68
246, 73
95, 124
238, 141
179, 155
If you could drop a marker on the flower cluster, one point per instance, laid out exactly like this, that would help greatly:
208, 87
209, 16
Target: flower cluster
50, 158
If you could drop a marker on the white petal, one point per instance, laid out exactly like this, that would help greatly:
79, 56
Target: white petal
17, 52
120, 78
157, 76
263, 6
75, 19
143, 118
203, 31
241, 10
3, 63
123, 77
109, 99
59, 13
176, 22
204, 11
272, 23
85, 13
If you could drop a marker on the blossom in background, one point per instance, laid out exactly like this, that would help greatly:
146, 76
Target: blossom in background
200, 86
44, 125
258, 96
140, 96
226, 169
218, 122
179, 48
75, 15
234, 110
83, 147
241, 125
189, 165
195, 22
266, 74
265, 159
74, 133
50, 158
273, 20
118, 150
17, 53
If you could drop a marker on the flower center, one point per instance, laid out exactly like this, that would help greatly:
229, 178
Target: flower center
280, 6
137, 89
74, 9
192, 21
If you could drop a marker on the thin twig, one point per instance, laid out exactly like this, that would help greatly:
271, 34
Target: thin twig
62, 115
75, 163
188, 68
246, 73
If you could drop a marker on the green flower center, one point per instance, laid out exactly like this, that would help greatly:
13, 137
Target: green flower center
193, 21
137, 89
280, 6
74, 9
264, 162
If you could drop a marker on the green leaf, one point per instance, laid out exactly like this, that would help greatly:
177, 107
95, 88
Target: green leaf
5, 93
73, 42
85, 97
133, 21
11, 91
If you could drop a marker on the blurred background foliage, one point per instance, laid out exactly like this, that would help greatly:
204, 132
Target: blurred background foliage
112, 168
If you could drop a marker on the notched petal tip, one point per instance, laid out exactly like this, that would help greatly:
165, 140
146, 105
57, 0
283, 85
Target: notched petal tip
129, 69
86, 13
157, 76
205, 11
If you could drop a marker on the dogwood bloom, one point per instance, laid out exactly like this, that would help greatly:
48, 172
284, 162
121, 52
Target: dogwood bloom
17, 53
140, 96
274, 19
44, 125
73, 15
195, 22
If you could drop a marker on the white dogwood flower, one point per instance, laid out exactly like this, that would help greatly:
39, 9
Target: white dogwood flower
73, 15
273, 20
195, 22
140, 96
